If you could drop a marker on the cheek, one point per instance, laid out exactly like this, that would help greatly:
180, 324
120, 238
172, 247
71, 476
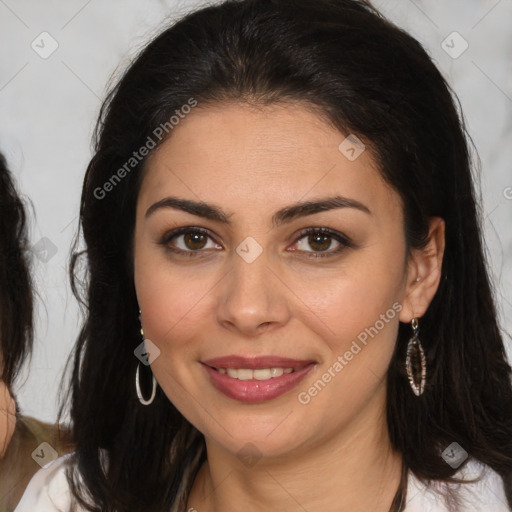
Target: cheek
166, 304
171, 306
172, 301
362, 301
355, 298
361, 311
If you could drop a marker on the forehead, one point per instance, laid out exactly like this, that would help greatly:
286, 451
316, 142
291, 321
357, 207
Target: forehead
262, 155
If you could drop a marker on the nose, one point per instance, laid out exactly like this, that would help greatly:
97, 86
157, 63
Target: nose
252, 299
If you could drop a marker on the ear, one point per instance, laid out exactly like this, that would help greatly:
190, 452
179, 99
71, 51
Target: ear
424, 273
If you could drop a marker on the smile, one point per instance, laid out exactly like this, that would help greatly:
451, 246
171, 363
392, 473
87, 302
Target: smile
256, 379
259, 374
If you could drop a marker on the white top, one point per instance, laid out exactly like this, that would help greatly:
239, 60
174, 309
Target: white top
48, 491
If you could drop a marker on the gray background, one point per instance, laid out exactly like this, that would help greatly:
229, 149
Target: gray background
48, 107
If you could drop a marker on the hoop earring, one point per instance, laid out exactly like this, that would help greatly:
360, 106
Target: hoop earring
415, 361
142, 400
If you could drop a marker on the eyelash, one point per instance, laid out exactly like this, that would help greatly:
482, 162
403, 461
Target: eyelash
345, 242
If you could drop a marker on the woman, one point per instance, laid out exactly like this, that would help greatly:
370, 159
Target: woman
281, 194
20, 436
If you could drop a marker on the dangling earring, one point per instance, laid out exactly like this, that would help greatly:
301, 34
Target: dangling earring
142, 400
415, 362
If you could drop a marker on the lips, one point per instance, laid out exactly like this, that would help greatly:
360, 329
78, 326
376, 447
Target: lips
255, 386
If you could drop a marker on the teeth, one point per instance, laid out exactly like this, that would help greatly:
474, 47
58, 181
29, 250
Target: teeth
258, 374
262, 373
232, 372
243, 374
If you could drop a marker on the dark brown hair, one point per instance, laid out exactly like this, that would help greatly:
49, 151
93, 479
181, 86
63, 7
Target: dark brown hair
16, 298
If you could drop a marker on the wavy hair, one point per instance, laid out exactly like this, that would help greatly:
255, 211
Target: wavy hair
365, 76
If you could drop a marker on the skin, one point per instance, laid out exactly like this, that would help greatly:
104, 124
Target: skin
7, 418
333, 453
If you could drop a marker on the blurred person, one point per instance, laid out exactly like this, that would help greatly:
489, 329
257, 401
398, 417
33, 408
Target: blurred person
20, 435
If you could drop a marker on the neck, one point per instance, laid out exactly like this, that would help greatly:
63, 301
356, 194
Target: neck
353, 469
7, 418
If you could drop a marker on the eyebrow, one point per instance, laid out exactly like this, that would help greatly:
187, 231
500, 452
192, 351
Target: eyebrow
282, 216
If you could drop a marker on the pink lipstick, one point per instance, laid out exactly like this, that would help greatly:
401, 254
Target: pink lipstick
256, 379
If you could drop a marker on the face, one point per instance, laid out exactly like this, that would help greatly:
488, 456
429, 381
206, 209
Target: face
324, 302
7, 415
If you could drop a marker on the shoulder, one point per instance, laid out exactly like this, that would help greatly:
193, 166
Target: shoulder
48, 490
31, 440
57, 435
486, 493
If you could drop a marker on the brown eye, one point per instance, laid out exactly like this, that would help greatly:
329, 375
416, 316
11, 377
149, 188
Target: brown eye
189, 241
321, 240
194, 241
